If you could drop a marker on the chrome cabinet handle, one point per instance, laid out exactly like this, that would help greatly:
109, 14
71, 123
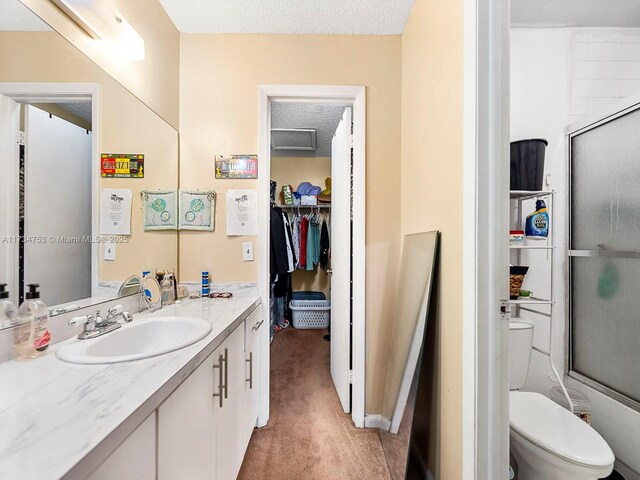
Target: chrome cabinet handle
250, 362
220, 387
226, 373
258, 325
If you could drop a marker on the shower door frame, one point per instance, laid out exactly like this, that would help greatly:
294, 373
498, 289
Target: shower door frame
609, 114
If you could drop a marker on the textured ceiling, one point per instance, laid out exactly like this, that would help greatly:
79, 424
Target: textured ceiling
576, 13
79, 109
357, 17
15, 17
323, 118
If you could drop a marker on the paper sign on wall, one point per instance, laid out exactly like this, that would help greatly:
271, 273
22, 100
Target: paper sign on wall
115, 211
242, 212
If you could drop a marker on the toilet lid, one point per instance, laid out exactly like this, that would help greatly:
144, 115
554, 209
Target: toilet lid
555, 429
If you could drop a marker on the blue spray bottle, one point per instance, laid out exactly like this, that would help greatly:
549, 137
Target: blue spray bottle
537, 224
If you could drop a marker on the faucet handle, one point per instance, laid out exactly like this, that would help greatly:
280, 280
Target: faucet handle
88, 321
115, 310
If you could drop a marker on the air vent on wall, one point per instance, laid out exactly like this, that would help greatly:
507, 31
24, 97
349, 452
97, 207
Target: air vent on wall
293, 139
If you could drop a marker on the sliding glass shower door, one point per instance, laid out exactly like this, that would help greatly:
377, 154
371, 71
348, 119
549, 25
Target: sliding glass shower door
604, 256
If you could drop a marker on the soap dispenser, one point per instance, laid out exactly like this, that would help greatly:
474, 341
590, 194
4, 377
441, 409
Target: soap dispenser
31, 335
8, 310
166, 287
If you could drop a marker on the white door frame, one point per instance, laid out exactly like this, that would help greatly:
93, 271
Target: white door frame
485, 399
354, 95
43, 92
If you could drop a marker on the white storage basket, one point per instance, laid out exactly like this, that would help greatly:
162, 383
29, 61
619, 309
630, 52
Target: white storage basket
310, 314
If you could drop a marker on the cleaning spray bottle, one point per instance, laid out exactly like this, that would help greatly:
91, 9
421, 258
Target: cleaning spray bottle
31, 335
537, 223
8, 310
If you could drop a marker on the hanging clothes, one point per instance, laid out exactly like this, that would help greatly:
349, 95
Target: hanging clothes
313, 243
279, 261
304, 232
288, 240
324, 245
295, 237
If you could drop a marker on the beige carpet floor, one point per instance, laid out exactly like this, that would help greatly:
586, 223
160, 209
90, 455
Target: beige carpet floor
308, 435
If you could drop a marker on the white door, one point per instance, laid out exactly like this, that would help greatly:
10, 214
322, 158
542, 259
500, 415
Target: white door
9, 159
57, 153
341, 260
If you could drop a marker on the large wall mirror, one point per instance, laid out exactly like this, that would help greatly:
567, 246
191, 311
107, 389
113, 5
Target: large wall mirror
59, 112
404, 426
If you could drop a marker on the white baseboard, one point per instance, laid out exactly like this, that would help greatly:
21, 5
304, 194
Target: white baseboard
372, 420
627, 472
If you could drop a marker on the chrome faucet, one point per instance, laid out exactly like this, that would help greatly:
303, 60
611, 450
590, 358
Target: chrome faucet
95, 326
116, 312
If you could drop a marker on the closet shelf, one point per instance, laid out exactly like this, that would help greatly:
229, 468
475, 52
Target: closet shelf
531, 247
527, 194
531, 301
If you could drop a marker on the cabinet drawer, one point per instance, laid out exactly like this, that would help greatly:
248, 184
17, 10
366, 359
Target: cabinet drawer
253, 325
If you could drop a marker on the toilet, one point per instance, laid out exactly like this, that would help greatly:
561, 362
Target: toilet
547, 440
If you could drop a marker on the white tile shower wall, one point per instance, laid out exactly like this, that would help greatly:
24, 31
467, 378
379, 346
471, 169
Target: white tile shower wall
603, 67
543, 100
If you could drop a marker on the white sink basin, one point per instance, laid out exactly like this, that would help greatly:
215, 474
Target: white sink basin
137, 340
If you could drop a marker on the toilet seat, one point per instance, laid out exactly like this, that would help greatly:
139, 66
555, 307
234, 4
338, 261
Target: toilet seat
556, 430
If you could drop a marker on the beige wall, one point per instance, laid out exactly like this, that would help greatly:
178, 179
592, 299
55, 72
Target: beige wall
432, 69
219, 81
126, 126
293, 171
153, 80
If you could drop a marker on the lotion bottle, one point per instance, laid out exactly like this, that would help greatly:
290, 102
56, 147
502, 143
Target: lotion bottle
31, 334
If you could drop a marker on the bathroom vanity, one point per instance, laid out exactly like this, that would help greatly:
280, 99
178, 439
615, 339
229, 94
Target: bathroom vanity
184, 414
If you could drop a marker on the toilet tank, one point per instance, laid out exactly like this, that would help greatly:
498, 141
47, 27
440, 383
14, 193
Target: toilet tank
520, 343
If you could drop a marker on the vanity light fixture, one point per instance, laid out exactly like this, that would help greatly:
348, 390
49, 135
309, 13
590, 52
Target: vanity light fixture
102, 22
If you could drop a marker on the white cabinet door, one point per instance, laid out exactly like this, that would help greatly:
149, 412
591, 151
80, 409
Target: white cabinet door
135, 458
253, 326
202, 425
229, 414
187, 429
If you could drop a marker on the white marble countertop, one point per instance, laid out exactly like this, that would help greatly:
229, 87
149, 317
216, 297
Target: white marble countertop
61, 420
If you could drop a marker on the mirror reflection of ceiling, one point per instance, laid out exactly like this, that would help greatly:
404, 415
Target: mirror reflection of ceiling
355, 17
16, 17
575, 13
323, 118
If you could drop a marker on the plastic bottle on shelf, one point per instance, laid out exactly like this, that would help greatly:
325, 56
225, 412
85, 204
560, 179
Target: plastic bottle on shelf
537, 223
